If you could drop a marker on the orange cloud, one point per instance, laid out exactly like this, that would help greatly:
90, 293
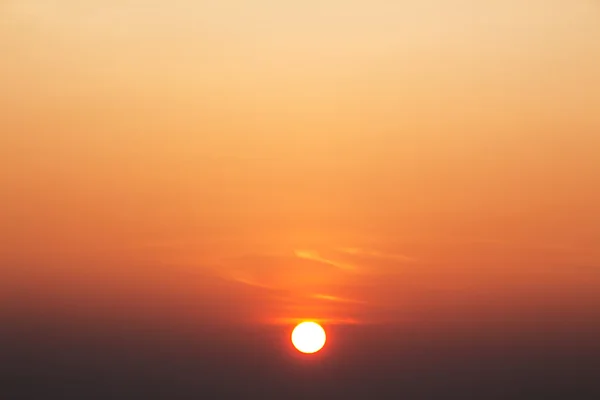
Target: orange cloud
314, 256
336, 299
374, 253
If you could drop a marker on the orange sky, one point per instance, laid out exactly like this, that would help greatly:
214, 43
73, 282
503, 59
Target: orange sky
335, 159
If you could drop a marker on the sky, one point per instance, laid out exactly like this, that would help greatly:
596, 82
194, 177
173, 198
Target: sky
218, 171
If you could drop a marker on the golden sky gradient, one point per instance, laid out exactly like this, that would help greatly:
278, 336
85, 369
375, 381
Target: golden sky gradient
349, 160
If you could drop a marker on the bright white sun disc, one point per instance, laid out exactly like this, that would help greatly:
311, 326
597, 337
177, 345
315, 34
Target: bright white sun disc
308, 337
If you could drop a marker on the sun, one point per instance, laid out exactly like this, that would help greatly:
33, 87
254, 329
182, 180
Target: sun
308, 337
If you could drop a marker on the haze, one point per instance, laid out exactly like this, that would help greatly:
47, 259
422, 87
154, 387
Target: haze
259, 163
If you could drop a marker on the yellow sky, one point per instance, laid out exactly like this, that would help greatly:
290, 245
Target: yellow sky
193, 132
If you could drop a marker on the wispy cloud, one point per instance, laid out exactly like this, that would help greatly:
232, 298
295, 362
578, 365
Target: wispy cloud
356, 251
246, 280
288, 272
314, 256
336, 299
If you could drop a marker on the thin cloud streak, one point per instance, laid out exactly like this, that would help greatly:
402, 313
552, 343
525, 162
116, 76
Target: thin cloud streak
314, 256
337, 299
374, 253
